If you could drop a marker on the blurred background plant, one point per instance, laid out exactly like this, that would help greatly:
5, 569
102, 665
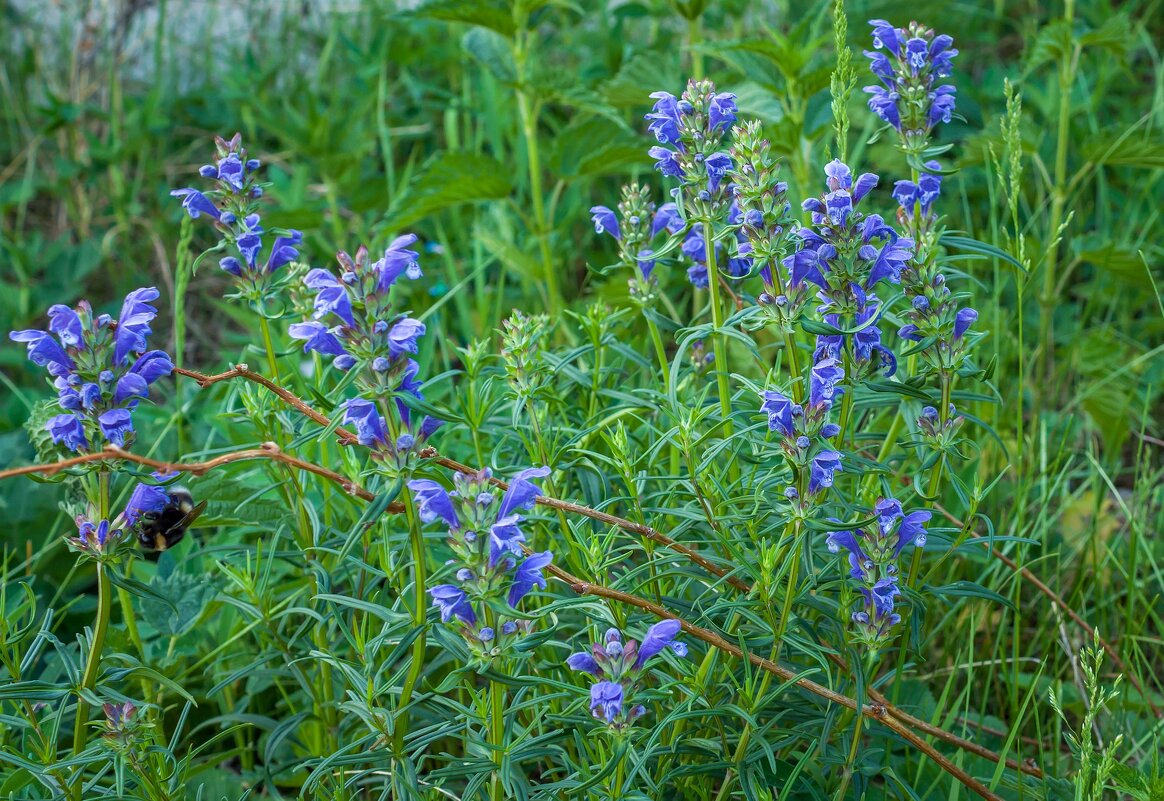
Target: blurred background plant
490, 129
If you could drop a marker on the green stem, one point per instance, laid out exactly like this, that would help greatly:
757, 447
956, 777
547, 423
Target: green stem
528, 111
717, 343
782, 628
1058, 197
92, 667
269, 346
419, 617
665, 367
915, 561
497, 737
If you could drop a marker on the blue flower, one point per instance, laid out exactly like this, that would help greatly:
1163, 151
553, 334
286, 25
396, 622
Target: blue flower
196, 204
721, 111
529, 575
963, 320
44, 351
318, 338
284, 251
660, 636
887, 36
717, 166
606, 700
152, 365
781, 411
822, 386
522, 493
666, 161
452, 602
664, 118
824, 466
433, 501
403, 335
605, 221
667, 218
133, 323
66, 324
397, 260
116, 425
67, 429
584, 662
146, 499
371, 429
645, 263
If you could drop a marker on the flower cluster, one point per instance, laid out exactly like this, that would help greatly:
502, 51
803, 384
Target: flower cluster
806, 432
486, 539
635, 226
233, 207
761, 212
619, 667
874, 552
104, 539
691, 130
935, 316
910, 98
354, 323
101, 367
845, 255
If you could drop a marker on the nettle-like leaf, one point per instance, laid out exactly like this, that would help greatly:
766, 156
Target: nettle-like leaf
492, 51
449, 179
638, 77
596, 146
181, 598
492, 14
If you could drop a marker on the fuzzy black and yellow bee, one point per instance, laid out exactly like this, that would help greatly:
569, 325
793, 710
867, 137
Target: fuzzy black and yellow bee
166, 528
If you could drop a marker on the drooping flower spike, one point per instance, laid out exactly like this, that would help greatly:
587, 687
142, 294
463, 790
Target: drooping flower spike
101, 367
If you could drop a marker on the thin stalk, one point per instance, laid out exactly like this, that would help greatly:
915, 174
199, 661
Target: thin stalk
777, 644
419, 616
665, 367
915, 561
717, 343
497, 737
100, 627
1058, 197
269, 346
528, 112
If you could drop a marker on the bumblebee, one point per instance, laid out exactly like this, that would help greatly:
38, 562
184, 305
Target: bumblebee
165, 529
